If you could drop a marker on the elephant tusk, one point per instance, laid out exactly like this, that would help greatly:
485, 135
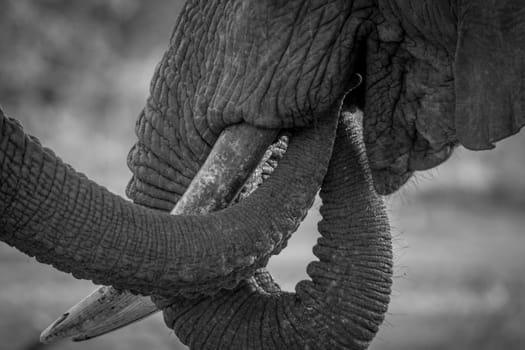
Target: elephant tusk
236, 154
103, 311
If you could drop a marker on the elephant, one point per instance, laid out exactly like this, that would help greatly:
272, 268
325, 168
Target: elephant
428, 75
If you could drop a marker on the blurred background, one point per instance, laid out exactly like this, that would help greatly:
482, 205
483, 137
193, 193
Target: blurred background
76, 74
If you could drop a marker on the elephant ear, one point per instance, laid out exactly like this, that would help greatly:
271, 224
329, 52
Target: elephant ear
490, 71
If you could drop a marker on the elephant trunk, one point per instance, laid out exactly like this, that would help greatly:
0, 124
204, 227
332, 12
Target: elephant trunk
343, 304
50, 211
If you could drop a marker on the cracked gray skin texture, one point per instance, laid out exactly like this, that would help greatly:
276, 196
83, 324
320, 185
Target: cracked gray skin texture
435, 74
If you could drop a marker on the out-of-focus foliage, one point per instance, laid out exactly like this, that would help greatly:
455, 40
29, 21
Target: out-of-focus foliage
78, 71
48, 44
51, 48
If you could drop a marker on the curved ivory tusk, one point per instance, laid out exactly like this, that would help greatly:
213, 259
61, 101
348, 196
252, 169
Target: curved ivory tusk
103, 311
235, 155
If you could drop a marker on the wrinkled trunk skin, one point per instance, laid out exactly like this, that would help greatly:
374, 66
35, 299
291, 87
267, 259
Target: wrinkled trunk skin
208, 80
344, 303
50, 211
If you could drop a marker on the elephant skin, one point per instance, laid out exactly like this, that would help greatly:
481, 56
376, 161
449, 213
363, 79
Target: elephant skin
432, 75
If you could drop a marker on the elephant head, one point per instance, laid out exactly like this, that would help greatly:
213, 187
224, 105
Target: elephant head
434, 75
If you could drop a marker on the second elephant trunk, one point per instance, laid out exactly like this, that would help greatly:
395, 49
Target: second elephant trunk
50, 211
344, 303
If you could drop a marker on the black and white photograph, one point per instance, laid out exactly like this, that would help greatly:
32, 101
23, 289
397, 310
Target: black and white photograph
262, 174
